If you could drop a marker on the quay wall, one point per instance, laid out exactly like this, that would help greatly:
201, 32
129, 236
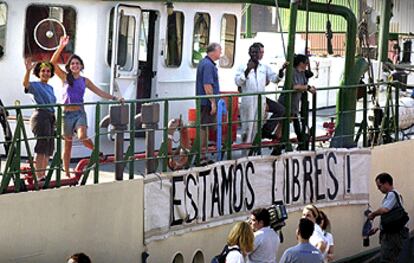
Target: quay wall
49, 226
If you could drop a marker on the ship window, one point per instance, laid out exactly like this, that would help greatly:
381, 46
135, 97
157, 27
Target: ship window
143, 36
126, 41
201, 36
228, 40
175, 29
45, 24
3, 22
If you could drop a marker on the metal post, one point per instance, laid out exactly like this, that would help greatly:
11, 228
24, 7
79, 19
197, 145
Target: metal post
97, 143
397, 112
131, 158
165, 136
248, 16
259, 123
289, 73
365, 118
197, 142
59, 144
119, 118
150, 117
313, 131
386, 9
230, 127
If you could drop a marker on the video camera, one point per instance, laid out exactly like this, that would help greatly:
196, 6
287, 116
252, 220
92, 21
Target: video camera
278, 215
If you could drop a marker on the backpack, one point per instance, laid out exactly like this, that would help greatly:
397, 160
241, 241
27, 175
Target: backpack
394, 220
221, 258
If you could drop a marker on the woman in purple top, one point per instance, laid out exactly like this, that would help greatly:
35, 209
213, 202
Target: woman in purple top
42, 121
74, 85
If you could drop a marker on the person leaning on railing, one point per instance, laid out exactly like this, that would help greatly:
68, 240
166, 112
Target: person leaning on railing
42, 120
74, 85
300, 85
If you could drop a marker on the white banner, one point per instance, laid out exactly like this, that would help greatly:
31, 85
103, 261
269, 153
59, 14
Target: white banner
224, 190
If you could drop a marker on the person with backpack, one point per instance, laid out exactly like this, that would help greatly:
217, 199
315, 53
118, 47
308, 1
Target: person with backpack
239, 244
393, 219
241, 236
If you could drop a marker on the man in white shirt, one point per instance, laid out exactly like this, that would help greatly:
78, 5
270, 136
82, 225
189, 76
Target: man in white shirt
266, 241
252, 78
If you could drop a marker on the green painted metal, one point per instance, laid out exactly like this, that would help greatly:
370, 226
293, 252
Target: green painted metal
259, 123
397, 112
365, 118
248, 16
346, 106
304, 115
386, 10
12, 169
313, 129
130, 153
289, 74
196, 149
130, 158
257, 141
229, 141
164, 147
9, 161
97, 142
16, 159
197, 141
94, 160
28, 151
58, 153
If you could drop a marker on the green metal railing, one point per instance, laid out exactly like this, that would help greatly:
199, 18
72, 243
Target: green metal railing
12, 172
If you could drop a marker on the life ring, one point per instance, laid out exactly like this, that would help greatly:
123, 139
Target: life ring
48, 32
178, 158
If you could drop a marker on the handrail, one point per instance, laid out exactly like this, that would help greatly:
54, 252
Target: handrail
154, 100
13, 169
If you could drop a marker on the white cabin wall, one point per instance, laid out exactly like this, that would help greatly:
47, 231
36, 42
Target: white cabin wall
12, 64
91, 29
180, 81
91, 44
